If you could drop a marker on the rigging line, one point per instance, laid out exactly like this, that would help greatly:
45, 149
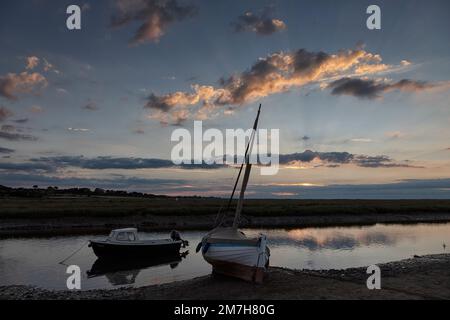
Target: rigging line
76, 251
219, 219
255, 125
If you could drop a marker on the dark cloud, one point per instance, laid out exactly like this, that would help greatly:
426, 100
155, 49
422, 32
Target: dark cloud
308, 156
262, 24
139, 131
371, 89
101, 163
6, 150
8, 128
154, 16
21, 121
330, 159
380, 162
26, 166
158, 103
334, 159
16, 136
305, 138
90, 106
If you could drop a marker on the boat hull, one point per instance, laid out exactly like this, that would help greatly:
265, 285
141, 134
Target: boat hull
105, 250
243, 261
237, 270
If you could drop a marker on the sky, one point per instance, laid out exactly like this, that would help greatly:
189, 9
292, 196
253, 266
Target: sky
362, 113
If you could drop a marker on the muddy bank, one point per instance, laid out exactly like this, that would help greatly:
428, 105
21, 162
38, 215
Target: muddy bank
86, 225
426, 277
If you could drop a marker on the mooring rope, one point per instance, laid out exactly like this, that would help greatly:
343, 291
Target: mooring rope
84, 244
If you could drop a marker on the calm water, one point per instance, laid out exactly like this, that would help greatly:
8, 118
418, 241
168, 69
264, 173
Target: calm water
34, 261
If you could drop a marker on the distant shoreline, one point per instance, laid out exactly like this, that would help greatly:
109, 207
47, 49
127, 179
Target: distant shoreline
88, 215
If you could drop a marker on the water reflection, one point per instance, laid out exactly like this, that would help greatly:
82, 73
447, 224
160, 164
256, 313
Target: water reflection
34, 261
125, 272
335, 238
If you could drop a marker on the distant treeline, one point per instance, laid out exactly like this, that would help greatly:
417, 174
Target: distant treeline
36, 192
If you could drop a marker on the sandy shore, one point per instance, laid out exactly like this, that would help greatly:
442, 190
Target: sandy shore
425, 277
85, 225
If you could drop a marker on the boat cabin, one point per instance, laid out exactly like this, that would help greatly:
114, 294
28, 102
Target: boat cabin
124, 235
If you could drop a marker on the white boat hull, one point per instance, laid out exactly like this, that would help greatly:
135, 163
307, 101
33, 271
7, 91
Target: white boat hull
248, 262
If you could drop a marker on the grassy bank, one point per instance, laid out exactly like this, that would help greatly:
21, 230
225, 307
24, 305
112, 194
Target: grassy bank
118, 207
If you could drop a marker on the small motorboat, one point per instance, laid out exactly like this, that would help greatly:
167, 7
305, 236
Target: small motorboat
125, 243
125, 271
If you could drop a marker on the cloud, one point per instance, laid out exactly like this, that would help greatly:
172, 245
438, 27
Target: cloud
305, 138
36, 109
8, 128
380, 162
78, 129
25, 166
405, 62
5, 113
6, 150
371, 89
262, 24
361, 140
62, 91
154, 16
90, 106
16, 136
49, 67
32, 62
102, 163
276, 73
334, 159
139, 131
328, 159
13, 84
308, 156
395, 135
21, 121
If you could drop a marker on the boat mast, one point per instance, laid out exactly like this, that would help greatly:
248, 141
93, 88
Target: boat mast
248, 168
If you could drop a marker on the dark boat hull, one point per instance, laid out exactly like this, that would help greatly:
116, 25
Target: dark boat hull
105, 250
105, 266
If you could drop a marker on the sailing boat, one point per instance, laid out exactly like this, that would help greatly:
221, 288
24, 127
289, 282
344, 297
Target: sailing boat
229, 250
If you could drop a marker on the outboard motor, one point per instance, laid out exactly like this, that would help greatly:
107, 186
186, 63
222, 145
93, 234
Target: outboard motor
175, 236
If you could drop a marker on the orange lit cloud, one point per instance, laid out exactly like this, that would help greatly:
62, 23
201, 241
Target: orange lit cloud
276, 73
13, 84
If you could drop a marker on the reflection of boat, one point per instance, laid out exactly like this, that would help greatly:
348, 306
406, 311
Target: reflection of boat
228, 249
125, 243
126, 271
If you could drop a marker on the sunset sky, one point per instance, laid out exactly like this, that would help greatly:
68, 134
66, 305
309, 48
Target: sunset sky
361, 113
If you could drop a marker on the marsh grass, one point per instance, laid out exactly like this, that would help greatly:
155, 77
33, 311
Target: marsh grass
100, 206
